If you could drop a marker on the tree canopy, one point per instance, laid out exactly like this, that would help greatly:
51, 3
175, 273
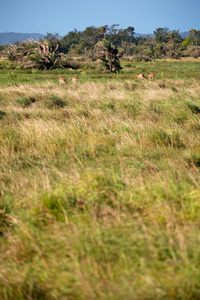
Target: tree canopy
106, 43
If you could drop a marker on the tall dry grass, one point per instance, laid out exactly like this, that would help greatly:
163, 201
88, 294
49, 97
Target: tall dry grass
100, 190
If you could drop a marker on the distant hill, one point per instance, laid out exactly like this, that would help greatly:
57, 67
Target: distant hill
183, 35
12, 37
136, 35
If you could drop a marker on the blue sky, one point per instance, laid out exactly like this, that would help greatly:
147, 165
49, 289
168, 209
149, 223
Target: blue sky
62, 16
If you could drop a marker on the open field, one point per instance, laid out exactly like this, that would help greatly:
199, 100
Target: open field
100, 184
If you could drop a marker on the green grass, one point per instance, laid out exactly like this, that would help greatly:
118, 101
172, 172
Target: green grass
99, 184
164, 69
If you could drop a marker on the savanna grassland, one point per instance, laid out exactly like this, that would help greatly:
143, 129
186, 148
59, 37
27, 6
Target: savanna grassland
100, 183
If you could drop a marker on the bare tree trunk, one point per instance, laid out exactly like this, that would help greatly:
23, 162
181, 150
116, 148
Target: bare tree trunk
110, 65
196, 40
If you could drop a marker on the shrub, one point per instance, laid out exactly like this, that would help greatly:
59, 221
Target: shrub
195, 53
25, 101
193, 107
56, 102
196, 159
2, 114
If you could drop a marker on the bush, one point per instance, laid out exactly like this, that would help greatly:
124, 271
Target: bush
193, 107
2, 114
142, 57
56, 102
195, 53
25, 101
73, 64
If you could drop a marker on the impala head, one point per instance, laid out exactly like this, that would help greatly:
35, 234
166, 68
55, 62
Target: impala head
62, 80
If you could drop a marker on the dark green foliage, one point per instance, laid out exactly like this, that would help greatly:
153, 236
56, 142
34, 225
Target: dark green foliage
174, 89
2, 114
56, 102
161, 34
69, 41
193, 107
48, 54
25, 101
109, 54
194, 32
196, 159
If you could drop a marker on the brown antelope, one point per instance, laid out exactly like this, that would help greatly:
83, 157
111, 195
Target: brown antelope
152, 75
140, 76
74, 79
62, 80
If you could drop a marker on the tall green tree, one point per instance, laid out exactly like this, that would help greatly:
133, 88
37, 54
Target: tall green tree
102, 30
91, 35
109, 54
129, 34
193, 32
161, 34
72, 38
111, 34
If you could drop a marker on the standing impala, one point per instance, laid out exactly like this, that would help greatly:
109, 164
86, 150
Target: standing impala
152, 75
74, 79
62, 80
140, 76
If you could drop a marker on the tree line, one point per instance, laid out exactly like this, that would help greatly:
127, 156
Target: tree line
164, 43
107, 43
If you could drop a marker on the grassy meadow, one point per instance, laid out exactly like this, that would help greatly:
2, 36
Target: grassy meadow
100, 183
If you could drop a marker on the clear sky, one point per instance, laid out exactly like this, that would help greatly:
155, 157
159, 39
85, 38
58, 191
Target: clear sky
62, 16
